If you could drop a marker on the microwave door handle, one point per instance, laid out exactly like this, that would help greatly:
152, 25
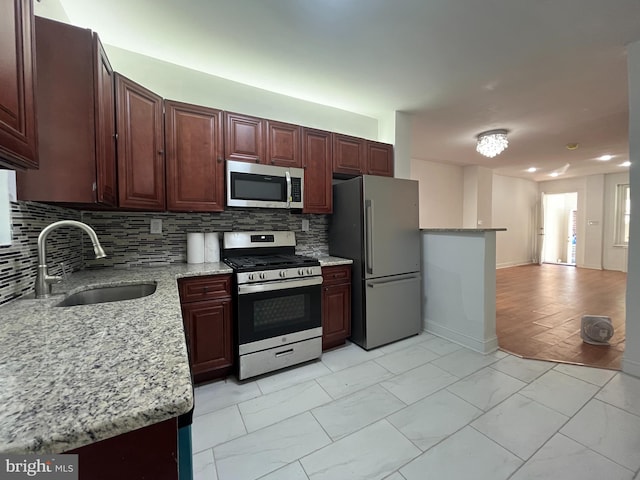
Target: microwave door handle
288, 178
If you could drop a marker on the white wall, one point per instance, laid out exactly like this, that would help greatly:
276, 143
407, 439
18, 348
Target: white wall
514, 205
631, 357
440, 193
402, 144
178, 83
613, 257
477, 197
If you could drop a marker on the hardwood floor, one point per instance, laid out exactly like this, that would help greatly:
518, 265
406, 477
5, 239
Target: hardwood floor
539, 309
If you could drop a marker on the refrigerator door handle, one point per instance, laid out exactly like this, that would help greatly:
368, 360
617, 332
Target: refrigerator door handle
398, 281
369, 234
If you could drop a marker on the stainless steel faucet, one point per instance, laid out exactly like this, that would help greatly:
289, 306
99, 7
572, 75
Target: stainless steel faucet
44, 281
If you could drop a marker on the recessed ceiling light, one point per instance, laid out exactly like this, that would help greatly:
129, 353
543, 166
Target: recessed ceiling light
572, 146
605, 158
554, 174
531, 169
625, 164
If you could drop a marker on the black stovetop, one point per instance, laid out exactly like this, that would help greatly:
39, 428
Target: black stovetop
248, 263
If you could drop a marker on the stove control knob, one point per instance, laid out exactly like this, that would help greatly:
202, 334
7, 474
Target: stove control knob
309, 271
251, 276
263, 275
301, 271
283, 274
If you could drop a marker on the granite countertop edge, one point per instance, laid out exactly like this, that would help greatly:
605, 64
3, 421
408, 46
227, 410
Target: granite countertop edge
73, 376
462, 230
99, 370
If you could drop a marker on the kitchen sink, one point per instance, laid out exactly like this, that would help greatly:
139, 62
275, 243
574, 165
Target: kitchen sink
109, 294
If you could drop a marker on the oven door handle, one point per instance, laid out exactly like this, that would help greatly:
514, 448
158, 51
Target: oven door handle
278, 285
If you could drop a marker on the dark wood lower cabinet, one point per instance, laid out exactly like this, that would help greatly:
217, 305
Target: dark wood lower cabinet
207, 317
336, 305
147, 453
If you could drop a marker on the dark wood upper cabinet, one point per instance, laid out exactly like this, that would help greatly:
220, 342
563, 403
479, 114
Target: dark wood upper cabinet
244, 138
76, 119
317, 162
105, 118
379, 159
18, 131
283, 144
348, 155
194, 159
139, 123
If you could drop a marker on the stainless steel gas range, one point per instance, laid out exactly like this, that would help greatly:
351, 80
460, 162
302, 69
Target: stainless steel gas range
277, 301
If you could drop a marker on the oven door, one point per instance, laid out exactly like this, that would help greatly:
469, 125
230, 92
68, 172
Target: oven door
272, 309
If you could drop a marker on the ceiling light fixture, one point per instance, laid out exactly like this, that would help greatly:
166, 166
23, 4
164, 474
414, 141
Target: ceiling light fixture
554, 174
492, 143
531, 169
605, 158
625, 164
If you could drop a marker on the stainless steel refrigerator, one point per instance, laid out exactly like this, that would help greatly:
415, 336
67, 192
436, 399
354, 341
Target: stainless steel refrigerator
375, 223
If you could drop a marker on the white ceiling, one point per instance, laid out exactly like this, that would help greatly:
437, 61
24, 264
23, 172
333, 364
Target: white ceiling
551, 71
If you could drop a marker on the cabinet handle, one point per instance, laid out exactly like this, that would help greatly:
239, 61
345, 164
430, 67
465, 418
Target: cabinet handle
257, 160
160, 152
219, 160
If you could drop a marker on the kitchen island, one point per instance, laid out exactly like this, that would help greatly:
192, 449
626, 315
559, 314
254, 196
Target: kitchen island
459, 285
73, 376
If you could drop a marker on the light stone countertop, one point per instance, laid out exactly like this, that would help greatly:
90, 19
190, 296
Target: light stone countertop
330, 261
462, 230
76, 375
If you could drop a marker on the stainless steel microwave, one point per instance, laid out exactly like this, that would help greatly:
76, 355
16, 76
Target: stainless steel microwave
264, 186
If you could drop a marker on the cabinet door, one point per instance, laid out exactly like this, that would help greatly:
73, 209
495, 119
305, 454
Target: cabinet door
18, 134
105, 121
336, 315
348, 155
210, 336
140, 146
195, 167
317, 162
379, 159
283, 144
244, 138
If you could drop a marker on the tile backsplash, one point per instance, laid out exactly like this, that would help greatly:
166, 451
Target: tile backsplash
126, 239
19, 261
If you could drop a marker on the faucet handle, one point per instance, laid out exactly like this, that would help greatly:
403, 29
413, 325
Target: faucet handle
65, 275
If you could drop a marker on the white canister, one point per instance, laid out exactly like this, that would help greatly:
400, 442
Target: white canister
195, 247
211, 247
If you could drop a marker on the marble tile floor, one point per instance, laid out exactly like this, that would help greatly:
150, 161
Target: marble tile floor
422, 408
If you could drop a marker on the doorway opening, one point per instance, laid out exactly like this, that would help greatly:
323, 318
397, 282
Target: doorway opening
560, 239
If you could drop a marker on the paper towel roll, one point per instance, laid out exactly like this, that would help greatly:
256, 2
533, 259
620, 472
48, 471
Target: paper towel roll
211, 247
195, 247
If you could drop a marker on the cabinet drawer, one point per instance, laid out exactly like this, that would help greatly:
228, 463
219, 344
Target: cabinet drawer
204, 288
336, 274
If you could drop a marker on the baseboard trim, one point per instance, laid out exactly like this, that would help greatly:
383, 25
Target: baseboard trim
513, 264
631, 367
483, 346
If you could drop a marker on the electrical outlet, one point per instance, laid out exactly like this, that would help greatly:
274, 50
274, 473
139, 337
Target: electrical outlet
156, 225
305, 224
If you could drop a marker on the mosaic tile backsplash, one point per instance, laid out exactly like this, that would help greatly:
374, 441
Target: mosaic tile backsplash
126, 239
19, 261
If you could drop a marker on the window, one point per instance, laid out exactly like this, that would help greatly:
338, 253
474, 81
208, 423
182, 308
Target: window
623, 210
